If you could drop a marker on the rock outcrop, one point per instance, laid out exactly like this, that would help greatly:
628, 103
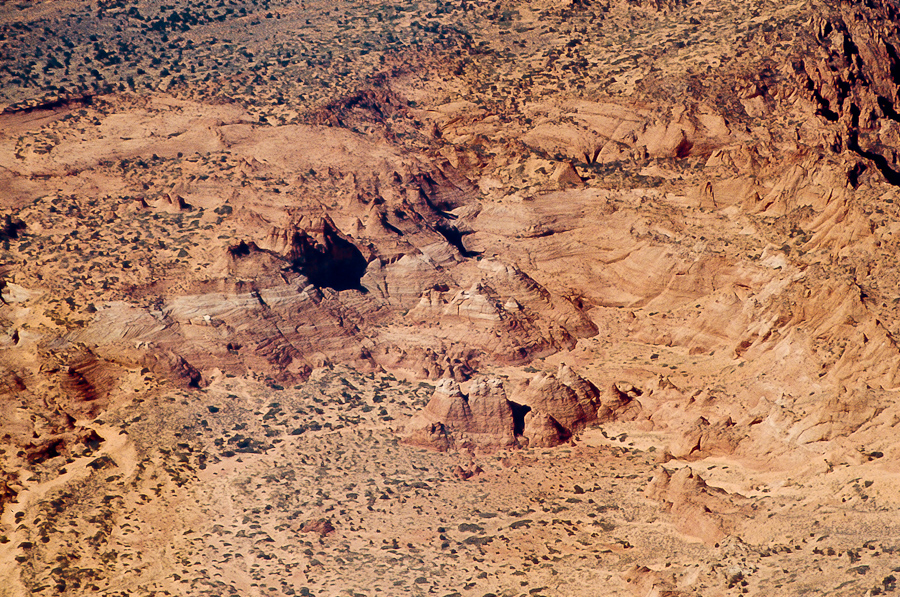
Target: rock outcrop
847, 72
481, 419
620, 402
644, 581
705, 203
88, 382
545, 412
703, 438
322, 527
568, 399
492, 420
696, 509
565, 175
543, 431
327, 257
7, 493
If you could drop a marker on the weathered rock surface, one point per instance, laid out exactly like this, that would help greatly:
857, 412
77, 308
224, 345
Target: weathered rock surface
619, 402
483, 418
543, 431
229, 253
696, 509
545, 413
571, 401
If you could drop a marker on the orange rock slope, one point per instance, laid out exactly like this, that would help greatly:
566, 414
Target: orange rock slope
434, 242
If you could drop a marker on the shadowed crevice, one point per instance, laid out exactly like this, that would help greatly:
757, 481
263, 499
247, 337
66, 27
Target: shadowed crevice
334, 263
454, 237
519, 411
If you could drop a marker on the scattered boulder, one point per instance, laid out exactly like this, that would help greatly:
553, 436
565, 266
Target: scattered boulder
464, 474
322, 527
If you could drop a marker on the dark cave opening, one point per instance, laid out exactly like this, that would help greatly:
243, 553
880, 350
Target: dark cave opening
242, 249
337, 264
10, 228
519, 411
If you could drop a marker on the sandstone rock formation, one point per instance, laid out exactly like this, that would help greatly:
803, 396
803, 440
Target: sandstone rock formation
322, 527
619, 402
545, 413
240, 244
565, 175
704, 438
644, 581
701, 511
483, 418
565, 399
543, 431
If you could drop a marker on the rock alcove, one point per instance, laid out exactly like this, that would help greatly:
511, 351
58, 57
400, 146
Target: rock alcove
331, 261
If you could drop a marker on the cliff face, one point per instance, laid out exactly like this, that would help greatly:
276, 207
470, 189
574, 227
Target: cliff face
635, 260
